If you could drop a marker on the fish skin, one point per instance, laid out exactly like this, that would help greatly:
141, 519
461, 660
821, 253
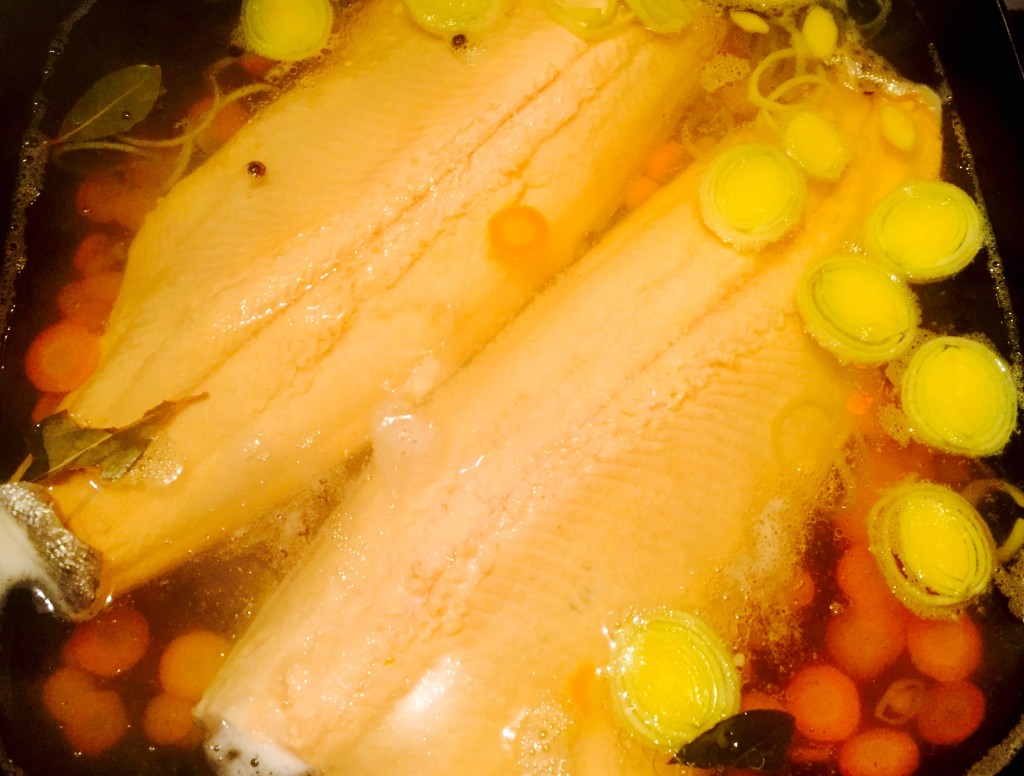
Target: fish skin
303, 316
616, 448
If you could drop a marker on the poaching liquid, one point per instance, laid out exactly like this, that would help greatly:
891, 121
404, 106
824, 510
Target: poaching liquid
221, 592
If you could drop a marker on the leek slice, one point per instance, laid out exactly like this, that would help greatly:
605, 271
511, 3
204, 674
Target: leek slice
749, 21
928, 231
672, 678
287, 30
933, 547
897, 128
977, 490
665, 16
856, 310
448, 17
752, 195
821, 33
588, 20
959, 396
816, 145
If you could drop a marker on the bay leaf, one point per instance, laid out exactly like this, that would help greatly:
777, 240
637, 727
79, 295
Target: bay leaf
757, 740
59, 444
114, 104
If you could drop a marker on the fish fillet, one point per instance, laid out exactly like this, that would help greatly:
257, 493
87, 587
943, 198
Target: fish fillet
356, 273
650, 432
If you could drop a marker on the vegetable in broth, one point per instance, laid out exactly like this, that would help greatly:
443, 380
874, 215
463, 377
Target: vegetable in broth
886, 644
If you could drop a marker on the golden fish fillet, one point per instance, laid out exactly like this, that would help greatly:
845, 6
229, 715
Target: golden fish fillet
650, 432
355, 274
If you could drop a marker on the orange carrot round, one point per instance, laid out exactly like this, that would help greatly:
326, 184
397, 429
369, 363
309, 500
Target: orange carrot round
802, 590
639, 191
255, 65
863, 641
98, 252
755, 700
66, 691
89, 301
519, 231
665, 160
110, 643
861, 580
62, 357
950, 712
167, 721
190, 662
98, 724
46, 405
825, 703
230, 117
879, 752
945, 650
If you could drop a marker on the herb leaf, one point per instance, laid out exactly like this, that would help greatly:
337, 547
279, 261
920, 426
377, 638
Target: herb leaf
114, 104
59, 445
758, 740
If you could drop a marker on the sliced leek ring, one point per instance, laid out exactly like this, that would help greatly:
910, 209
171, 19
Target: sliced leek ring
672, 678
664, 16
752, 195
287, 30
450, 17
959, 396
934, 549
816, 145
927, 231
856, 310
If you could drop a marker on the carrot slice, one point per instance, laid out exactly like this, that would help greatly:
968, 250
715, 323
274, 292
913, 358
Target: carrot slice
861, 580
110, 643
755, 700
167, 721
62, 357
945, 650
519, 231
190, 662
255, 65
89, 301
98, 724
98, 252
825, 703
46, 405
878, 468
879, 752
863, 641
66, 691
665, 160
230, 117
802, 590
950, 712
639, 191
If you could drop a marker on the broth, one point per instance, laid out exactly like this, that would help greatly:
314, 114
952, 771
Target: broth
221, 590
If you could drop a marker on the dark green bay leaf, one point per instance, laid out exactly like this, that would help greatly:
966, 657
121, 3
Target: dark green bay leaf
758, 740
59, 445
114, 104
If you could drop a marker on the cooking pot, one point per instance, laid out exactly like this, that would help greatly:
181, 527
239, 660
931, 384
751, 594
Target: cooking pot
970, 39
